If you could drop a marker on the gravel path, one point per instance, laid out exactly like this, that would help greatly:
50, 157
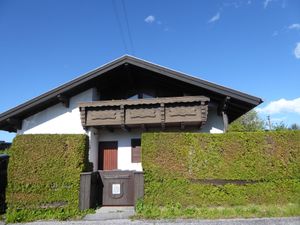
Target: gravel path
260, 221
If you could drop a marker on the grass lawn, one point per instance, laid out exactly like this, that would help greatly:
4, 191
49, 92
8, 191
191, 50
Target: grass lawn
250, 211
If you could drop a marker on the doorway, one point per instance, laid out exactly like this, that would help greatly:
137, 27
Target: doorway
108, 155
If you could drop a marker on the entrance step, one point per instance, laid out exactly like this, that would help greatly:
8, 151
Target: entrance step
111, 213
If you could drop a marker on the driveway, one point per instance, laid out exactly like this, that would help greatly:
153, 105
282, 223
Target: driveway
261, 221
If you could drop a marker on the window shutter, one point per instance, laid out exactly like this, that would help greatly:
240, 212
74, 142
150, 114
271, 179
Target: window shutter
136, 151
136, 155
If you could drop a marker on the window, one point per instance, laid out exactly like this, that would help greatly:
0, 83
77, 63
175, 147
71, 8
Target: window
136, 151
134, 97
142, 95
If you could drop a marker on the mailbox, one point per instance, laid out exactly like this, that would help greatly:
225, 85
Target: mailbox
118, 188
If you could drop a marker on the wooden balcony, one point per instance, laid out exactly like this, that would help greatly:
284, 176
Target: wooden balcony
182, 112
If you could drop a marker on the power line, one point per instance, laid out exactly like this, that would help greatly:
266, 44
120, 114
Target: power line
120, 25
128, 28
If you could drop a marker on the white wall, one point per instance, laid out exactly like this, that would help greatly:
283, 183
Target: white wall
214, 123
58, 119
93, 147
124, 147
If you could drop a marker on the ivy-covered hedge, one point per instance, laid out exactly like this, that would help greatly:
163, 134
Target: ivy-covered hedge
43, 176
255, 168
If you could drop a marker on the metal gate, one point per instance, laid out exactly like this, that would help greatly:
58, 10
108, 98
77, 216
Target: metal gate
118, 188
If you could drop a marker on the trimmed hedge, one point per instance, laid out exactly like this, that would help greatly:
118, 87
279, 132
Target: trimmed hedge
44, 175
179, 167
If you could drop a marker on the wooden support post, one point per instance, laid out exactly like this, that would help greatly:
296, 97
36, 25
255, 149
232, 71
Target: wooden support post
64, 100
223, 106
83, 116
162, 116
122, 115
204, 112
16, 123
222, 111
225, 121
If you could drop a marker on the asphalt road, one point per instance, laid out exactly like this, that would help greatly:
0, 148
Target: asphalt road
260, 221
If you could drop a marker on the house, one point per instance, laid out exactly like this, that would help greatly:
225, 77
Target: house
115, 103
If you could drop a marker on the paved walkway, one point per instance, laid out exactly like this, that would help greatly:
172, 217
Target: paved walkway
261, 221
110, 213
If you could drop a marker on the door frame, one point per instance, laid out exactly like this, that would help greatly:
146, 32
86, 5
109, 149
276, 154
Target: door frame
103, 144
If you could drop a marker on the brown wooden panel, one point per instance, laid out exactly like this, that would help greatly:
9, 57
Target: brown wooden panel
108, 156
183, 113
104, 117
136, 151
143, 114
124, 194
192, 110
136, 155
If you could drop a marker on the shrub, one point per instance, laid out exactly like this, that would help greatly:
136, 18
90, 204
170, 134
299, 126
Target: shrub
43, 176
232, 169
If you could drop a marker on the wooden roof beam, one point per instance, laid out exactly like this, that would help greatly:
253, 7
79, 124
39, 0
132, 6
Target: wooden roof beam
15, 123
64, 100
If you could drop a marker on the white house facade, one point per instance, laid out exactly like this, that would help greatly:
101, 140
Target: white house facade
58, 119
117, 102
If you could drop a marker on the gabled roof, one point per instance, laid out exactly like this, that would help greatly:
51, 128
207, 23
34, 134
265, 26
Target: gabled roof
50, 98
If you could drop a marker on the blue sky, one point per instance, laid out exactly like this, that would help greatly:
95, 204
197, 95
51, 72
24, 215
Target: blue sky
252, 45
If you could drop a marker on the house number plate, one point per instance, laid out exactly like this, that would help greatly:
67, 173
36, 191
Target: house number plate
116, 189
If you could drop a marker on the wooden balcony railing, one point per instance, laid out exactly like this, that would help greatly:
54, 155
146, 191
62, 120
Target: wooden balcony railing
163, 112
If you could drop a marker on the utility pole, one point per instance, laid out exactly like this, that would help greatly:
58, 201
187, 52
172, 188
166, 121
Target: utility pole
269, 121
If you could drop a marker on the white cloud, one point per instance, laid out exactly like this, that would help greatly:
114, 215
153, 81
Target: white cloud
150, 19
281, 106
297, 51
266, 3
215, 18
295, 26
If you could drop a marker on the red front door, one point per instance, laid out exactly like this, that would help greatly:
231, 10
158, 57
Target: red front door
108, 155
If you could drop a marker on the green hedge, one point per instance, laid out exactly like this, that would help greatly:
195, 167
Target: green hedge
43, 176
176, 166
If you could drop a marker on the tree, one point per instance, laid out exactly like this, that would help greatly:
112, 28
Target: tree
279, 126
247, 122
282, 126
295, 126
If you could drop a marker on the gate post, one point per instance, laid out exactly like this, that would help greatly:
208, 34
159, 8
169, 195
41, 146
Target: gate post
85, 190
90, 190
138, 186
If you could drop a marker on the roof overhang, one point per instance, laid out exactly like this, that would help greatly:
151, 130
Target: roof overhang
11, 120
